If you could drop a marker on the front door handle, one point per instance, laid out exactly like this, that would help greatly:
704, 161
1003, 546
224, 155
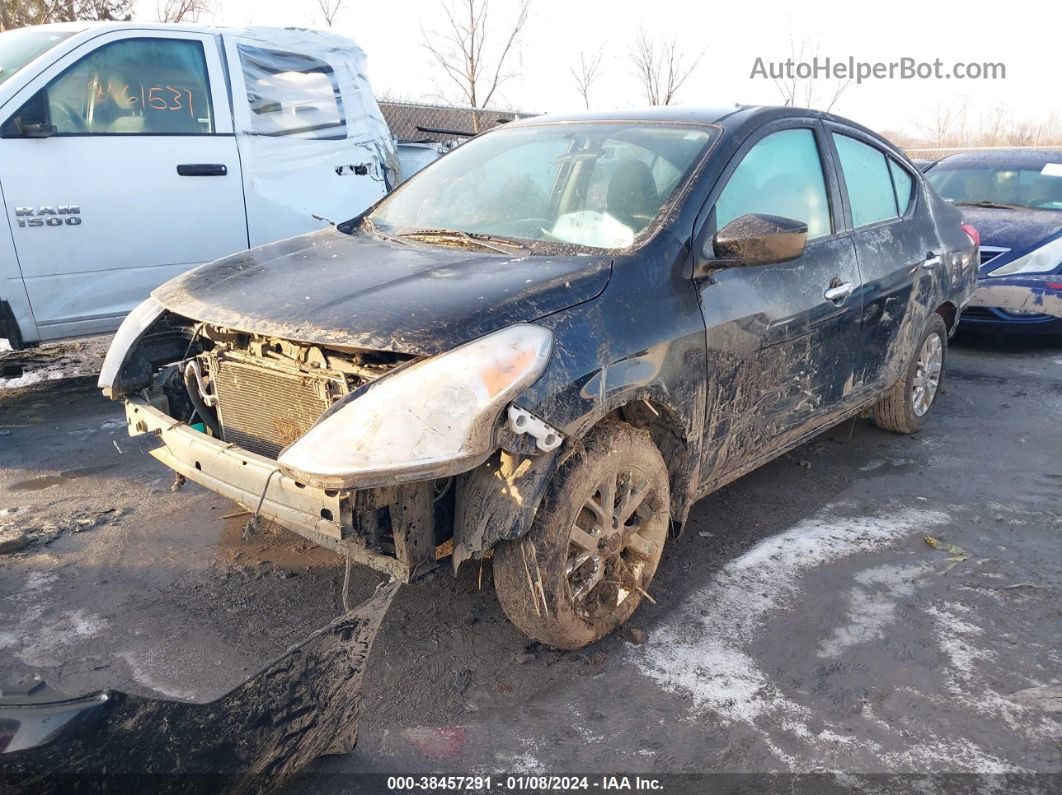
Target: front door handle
202, 169
931, 260
839, 292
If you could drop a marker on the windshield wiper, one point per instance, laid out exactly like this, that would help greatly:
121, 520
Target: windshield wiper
992, 205
375, 230
489, 242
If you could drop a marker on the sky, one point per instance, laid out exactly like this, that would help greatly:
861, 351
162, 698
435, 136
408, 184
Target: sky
732, 35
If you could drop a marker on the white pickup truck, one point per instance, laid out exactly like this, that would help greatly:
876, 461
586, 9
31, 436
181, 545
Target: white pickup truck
131, 152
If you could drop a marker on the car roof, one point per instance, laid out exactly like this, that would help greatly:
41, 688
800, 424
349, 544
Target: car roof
1018, 158
732, 118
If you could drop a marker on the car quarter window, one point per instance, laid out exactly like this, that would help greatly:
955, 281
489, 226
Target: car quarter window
904, 185
781, 175
292, 94
869, 181
143, 86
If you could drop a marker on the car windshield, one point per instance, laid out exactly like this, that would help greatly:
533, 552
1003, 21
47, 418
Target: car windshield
1005, 186
597, 185
19, 47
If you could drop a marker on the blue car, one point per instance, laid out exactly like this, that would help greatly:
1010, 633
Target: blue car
1013, 197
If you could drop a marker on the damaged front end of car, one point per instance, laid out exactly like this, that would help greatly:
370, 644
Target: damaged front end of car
369, 453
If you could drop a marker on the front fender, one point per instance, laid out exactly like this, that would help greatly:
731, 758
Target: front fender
498, 501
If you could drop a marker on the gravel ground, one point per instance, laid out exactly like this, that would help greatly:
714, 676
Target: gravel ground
802, 621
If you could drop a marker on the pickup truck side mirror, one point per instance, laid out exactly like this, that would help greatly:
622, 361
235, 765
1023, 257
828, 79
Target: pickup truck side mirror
31, 120
37, 129
753, 239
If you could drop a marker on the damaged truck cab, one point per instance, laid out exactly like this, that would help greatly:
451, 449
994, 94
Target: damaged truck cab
551, 342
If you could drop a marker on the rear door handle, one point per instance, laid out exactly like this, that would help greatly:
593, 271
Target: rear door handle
838, 293
931, 260
202, 169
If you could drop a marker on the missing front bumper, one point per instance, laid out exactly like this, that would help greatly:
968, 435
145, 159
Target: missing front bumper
342, 520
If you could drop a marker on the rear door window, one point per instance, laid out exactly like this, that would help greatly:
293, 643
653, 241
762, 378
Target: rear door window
903, 184
292, 94
868, 179
781, 175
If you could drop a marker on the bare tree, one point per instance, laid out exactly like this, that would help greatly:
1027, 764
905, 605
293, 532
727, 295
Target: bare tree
585, 73
807, 92
329, 9
102, 10
464, 51
19, 13
661, 67
183, 10
945, 126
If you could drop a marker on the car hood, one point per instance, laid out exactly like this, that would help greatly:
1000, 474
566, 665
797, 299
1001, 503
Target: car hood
334, 289
1013, 229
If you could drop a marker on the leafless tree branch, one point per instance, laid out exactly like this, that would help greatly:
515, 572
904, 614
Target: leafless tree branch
585, 73
805, 91
183, 10
329, 9
463, 50
661, 67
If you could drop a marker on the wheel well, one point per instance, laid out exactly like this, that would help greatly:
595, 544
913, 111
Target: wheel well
668, 434
948, 311
9, 329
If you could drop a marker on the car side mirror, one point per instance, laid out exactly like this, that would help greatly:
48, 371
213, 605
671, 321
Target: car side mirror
754, 239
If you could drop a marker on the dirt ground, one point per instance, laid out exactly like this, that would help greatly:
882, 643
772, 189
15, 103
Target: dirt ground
802, 621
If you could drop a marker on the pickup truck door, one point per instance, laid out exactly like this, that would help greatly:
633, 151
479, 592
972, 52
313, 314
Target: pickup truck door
305, 139
780, 338
119, 171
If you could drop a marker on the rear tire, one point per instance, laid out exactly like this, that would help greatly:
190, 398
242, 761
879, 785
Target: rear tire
905, 408
595, 543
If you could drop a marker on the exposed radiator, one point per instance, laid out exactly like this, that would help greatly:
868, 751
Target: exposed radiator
263, 409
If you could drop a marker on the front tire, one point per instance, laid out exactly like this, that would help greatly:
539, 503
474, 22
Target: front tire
905, 408
595, 543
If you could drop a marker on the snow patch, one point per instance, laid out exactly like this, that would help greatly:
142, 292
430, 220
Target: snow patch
142, 667
702, 652
872, 605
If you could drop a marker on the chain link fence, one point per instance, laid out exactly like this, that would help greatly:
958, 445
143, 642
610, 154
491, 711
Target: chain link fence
939, 152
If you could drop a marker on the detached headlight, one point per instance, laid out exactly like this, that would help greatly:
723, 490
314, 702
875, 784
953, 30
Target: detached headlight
419, 422
135, 324
1040, 260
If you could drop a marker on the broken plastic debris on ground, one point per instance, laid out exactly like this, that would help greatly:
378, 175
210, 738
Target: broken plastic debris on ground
303, 704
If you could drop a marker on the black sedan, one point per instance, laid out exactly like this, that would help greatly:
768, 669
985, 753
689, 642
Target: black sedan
548, 344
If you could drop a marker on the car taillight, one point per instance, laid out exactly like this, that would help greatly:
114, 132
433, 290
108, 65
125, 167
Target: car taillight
973, 234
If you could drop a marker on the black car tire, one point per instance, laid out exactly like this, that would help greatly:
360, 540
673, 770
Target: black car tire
541, 585
896, 412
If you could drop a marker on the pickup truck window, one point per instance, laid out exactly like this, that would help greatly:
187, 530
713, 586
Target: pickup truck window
780, 175
598, 185
19, 47
291, 94
137, 86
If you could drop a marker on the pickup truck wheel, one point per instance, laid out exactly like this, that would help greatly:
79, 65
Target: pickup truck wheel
906, 406
595, 543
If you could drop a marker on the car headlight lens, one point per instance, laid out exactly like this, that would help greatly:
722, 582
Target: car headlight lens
134, 325
422, 420
1040, 260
